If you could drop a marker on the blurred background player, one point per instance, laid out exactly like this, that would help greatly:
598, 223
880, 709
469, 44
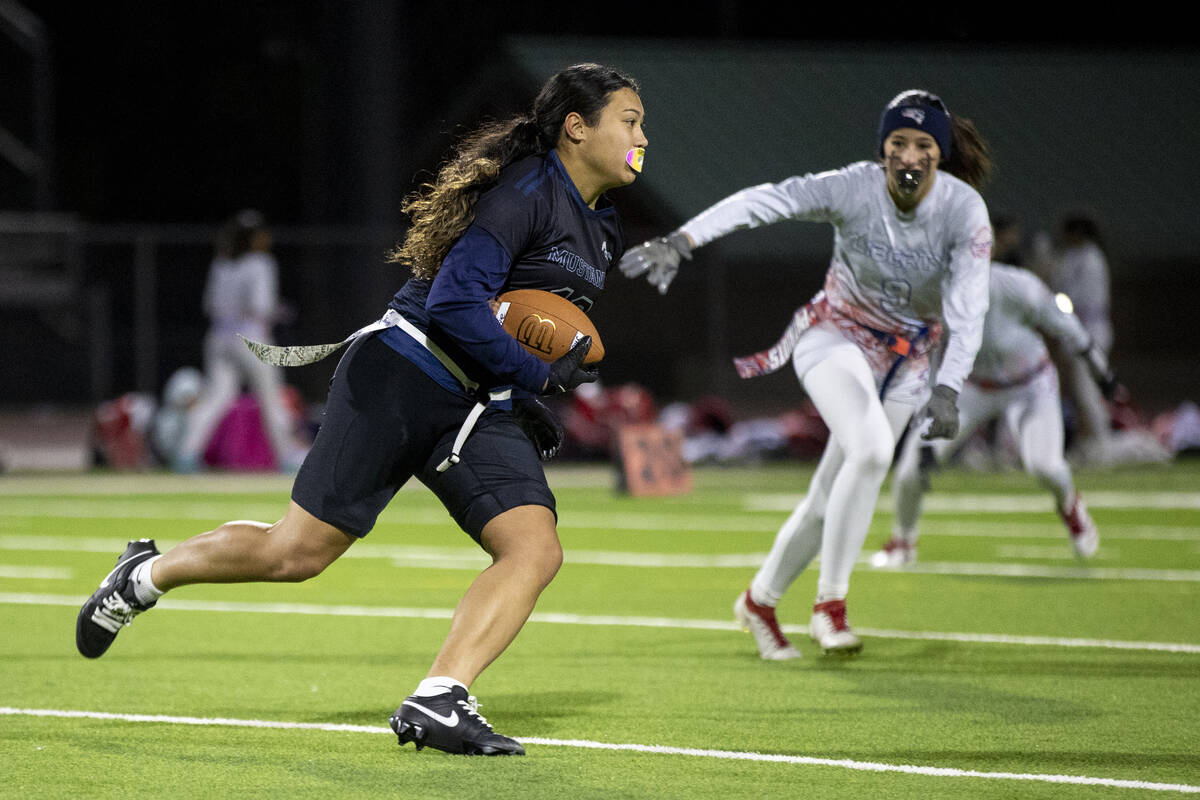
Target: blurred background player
912, 243
438, 389
1015, 382
1008, 243
241, 296
1080, 270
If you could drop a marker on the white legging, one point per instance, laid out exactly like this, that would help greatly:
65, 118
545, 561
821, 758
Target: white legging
834, 516
228, 362
1032, 412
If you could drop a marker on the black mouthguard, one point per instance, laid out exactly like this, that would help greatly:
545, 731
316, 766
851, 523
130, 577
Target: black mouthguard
909, 180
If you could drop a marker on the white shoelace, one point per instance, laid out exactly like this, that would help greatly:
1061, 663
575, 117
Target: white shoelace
114, 613
472, 706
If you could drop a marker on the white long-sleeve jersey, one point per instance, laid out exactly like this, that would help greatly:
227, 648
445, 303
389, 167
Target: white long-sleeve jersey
892, 271
1021, 314
242, 294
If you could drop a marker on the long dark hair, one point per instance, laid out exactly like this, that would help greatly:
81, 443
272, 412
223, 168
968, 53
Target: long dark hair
442, 210
970, 156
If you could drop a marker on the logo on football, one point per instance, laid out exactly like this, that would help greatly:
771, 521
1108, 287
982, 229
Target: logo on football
546, 324
537, 334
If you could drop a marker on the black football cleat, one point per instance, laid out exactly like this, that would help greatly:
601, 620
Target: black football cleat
113, 605
451, 723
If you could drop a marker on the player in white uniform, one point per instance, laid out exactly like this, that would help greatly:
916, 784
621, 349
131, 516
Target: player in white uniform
909, 270
1013, 380
240, 297
1081, 272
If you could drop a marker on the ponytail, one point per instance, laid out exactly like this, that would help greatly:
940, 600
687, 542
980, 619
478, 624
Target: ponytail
970, 155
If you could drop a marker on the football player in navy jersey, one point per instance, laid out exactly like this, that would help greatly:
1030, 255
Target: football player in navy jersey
438, 390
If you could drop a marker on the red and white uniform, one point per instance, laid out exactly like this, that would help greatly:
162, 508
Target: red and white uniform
1013, 380
911, 274
890, 271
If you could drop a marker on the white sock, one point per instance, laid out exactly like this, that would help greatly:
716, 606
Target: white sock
437, 685
143, 588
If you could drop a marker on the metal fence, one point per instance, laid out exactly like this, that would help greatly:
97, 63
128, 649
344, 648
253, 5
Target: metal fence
90, 311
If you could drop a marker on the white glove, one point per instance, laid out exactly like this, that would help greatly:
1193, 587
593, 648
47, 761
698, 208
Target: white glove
657, 259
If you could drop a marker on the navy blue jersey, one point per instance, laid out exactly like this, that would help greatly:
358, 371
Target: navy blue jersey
532, 230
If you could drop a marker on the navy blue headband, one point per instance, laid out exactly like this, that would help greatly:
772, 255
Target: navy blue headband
933, 121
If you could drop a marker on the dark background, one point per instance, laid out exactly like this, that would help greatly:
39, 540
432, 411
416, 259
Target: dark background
254, 99
323, 114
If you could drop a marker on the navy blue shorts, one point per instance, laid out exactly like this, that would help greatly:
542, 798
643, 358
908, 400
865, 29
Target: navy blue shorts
385, 421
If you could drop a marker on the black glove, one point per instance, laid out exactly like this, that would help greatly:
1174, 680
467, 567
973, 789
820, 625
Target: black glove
567, 372
540, 424
943, 414
927, 464
1101, 372
658, 257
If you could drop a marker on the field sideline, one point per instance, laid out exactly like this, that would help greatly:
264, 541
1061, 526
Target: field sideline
998, 667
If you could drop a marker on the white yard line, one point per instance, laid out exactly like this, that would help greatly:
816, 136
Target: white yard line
120, 484
754, 518
688, 752
472, 558
1047, 552
23, 572
956, 503
399, 512
1047, 571
1052, 529
550, 617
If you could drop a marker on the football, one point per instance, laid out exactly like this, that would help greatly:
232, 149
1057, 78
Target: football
546, 324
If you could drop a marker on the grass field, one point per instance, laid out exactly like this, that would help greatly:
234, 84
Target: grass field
998, 667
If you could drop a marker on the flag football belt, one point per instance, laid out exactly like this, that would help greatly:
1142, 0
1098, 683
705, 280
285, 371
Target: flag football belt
774, 357
1021, 380
299, 355
816, 310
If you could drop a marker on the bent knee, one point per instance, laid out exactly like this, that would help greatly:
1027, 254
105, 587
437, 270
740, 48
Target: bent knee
873, 454
292, 568
526, 536
298, 552
543, 555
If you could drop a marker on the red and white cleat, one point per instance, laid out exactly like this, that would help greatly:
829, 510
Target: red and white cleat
831, 631
1084, 536
760, 621
895, 554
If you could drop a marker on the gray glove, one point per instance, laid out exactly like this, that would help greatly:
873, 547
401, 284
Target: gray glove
657, 259
943, 414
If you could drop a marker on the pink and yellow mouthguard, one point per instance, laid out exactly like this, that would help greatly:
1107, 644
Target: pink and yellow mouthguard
634, 158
